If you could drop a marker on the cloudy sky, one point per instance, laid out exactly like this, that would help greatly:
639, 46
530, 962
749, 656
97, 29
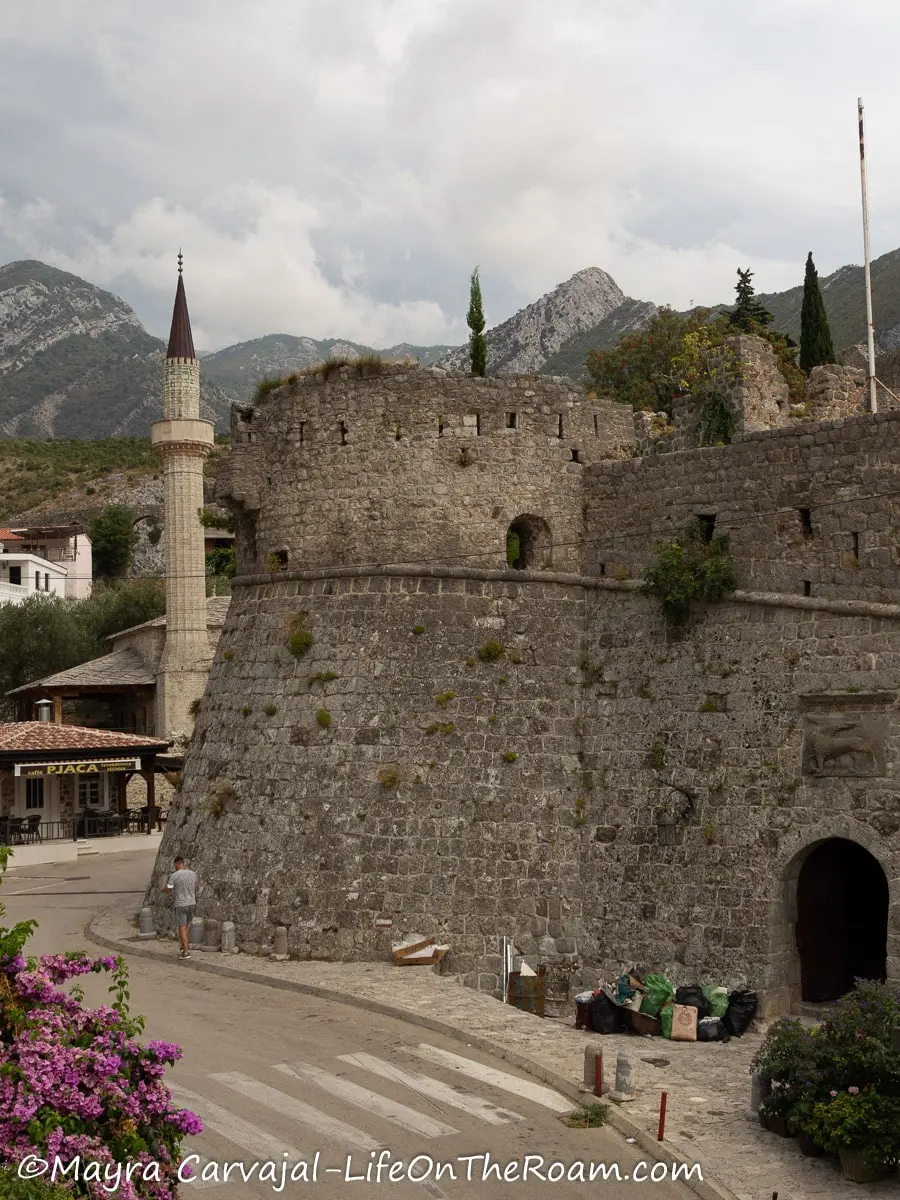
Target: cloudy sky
337, 167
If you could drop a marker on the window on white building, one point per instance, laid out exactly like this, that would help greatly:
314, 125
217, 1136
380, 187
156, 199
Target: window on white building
34, 793
91, 791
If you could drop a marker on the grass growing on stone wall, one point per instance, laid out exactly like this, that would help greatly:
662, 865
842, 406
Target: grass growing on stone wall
418, 630
228, 655
300, 638
388, 777
439, 727
270, 709
491, 651
510, 756
323, 677
323, 718
444, 698
246, 710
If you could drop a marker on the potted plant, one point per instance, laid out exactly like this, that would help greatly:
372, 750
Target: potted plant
786, 1060
863, 1128
775, 1111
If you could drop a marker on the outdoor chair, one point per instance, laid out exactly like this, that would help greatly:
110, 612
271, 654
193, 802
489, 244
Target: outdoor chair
31, 829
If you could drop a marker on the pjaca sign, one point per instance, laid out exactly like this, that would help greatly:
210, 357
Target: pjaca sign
90, 767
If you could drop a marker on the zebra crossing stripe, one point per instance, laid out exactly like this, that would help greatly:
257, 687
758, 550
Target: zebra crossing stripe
255, 1141
381, 1106
490, 1075
329, 1127
434, 1089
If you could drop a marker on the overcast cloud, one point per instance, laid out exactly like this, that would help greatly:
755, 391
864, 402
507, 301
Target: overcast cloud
337, 167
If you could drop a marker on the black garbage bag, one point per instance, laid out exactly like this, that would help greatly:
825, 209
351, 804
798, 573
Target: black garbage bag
741, 1011
693, 997
606, 1016
712, 1029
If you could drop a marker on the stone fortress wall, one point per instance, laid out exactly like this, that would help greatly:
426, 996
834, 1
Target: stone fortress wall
472, 751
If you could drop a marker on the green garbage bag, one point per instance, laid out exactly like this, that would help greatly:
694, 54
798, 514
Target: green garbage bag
717, 998
659, 990
665, 1019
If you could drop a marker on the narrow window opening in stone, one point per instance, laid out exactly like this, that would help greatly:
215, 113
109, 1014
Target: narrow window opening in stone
249, 437
343, 429
707, 525
575, 457
596, 426
302, 432
559, 425
529, 545
512, 420
603, 568
807, 587
805, 516
478, 424
398, 433
281, 558
440, 426
855, 537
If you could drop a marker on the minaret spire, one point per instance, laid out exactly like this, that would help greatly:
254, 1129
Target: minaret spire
181, 341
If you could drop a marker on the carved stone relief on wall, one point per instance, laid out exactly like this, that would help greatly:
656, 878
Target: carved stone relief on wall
848, 745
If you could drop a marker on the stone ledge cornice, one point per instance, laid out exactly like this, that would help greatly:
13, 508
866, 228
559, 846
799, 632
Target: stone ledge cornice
845, 608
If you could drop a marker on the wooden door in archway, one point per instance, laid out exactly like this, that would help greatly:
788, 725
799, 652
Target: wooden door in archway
842, 912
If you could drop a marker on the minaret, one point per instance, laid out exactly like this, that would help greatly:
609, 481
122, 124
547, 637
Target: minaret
182, 441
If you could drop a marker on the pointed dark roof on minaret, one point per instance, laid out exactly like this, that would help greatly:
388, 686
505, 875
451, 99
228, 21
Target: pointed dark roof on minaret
181, 343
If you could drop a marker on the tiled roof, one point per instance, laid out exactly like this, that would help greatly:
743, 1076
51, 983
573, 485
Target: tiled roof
44, 735
121, 668
7, 535
216, 612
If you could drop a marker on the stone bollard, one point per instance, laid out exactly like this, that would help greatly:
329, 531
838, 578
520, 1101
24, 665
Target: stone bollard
145, 926
280, 951
759, 1089
228, 946
211, 934
195, 934
624, 1091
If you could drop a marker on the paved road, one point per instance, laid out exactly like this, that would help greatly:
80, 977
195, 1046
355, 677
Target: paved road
277, 1076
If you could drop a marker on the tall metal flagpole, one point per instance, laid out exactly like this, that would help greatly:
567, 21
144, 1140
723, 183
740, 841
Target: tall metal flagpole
870, 327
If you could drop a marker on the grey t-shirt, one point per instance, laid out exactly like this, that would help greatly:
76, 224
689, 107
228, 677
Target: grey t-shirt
184, 885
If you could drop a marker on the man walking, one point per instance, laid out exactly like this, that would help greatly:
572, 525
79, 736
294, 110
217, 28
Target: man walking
184, 885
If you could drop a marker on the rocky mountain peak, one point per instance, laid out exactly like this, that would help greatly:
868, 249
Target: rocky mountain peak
523, 344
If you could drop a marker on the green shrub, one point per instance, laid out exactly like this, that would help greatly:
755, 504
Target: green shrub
388, 777
270, 709
690, 568
444, 698
323, 718
14, 1188
510, 756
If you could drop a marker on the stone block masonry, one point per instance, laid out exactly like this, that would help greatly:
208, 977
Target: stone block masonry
398, 728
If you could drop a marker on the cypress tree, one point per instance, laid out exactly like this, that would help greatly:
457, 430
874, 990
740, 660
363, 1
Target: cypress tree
475, 321
816, 346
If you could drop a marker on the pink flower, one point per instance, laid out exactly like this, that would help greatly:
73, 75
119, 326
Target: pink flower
832, 1094
853, 1091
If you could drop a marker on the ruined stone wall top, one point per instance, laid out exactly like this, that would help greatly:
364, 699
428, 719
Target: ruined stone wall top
413, 465
809, 509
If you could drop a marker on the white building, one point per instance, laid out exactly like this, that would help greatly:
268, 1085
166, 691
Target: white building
24, 573
66, 546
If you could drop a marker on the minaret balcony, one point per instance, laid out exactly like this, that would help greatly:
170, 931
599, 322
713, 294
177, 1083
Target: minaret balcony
182, 432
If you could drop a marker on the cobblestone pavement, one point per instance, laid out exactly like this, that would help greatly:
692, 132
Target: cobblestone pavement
708, 1085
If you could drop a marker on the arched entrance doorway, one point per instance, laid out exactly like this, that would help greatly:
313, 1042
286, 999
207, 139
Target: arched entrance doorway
842, 916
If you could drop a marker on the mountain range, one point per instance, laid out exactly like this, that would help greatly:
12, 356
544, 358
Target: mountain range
75, 360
